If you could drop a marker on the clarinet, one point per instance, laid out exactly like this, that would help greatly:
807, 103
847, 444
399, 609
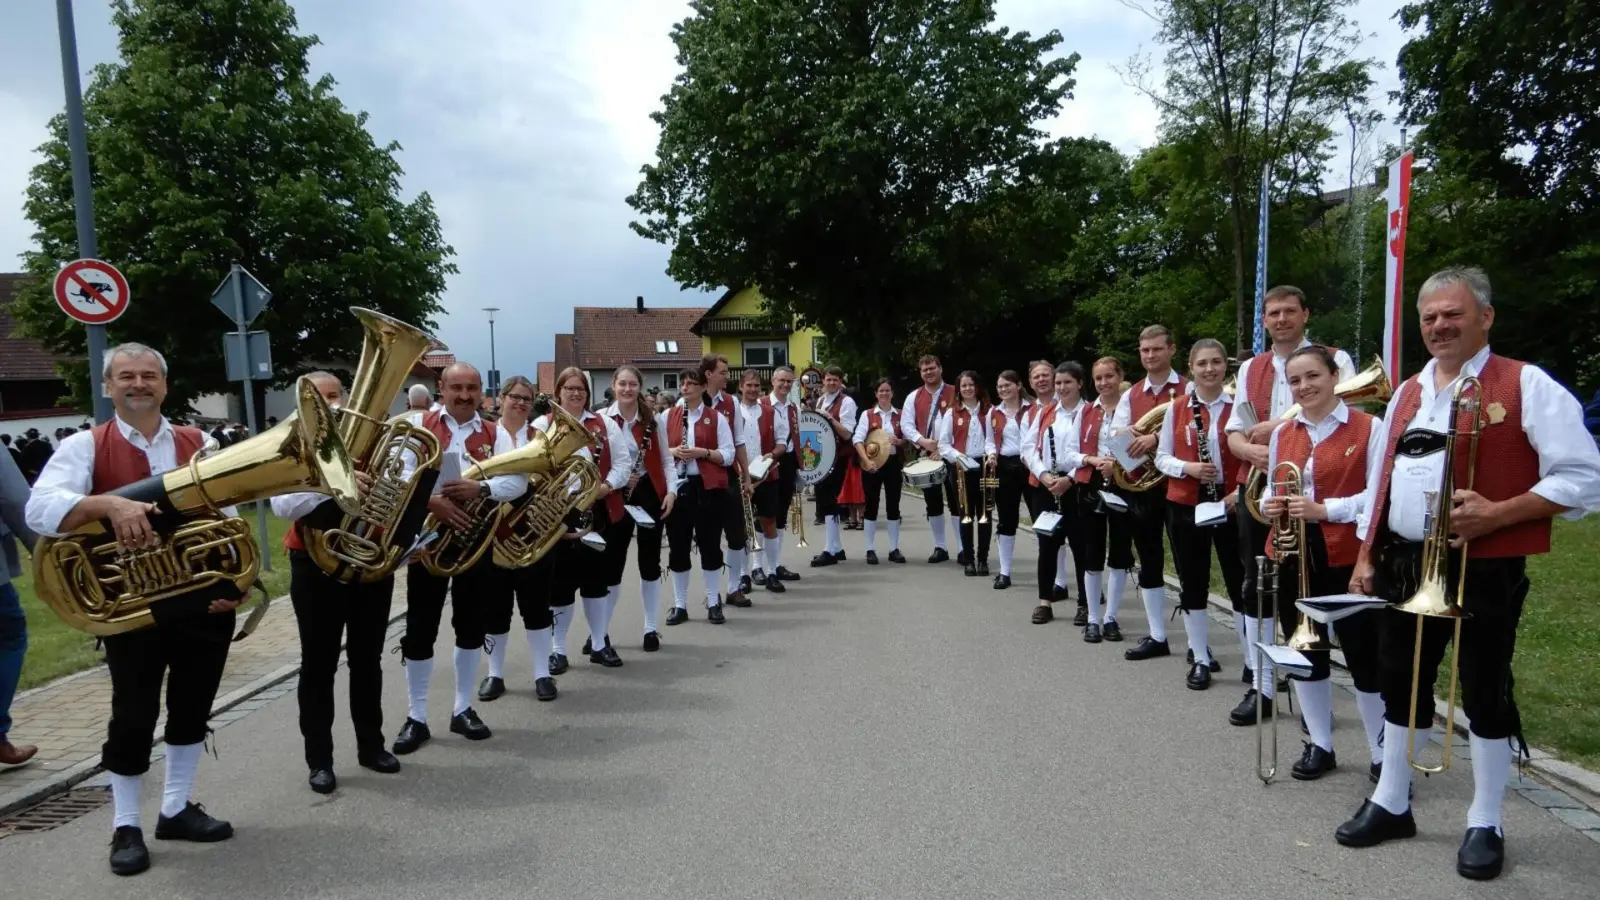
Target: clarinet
646, 442
688, 428
1197, 407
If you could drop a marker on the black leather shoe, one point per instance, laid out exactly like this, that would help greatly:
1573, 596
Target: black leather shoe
823, 559
744, 585
758, 576
1058, 593
714, 615
739, 600
193, 824
1091, 633
413, 734
652, 641
1314, 763
380, 761
1081, 617
468, 725
559, 662
491, 688
1215, 666
784, 574
839, 557
1043, 614
1373, 825
939, 555
1482, 854
1111, 631
1245, 712
322, 781
1001, 582
963, 558
895, 556
969, 570
1199, 677
872, 557
588, 645
776, 586
606, 657
545, 688
129, 855
983, 568
677, 616
1147, 648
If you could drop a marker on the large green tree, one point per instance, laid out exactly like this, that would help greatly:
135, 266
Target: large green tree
876, 167
211, 144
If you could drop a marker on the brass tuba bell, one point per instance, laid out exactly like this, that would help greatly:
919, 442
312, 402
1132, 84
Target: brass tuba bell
95, 585
535, 522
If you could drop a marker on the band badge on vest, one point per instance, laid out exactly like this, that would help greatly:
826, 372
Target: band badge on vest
1497, 413
484, 451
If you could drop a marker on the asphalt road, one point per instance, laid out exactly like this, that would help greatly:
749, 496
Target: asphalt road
887, 732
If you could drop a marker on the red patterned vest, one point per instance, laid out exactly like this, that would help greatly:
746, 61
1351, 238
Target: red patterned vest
1089, 425
479, 444
645, 424
927, 417
961, 425
596, 424
118, 463
1340, 471
875, 421
1185, 446
1031, 413
769, 430
714, 477
1141, 401
1507, 464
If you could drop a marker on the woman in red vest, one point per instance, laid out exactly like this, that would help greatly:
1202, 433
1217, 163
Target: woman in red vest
1194, 456
1333, 446
886, 475
700, 440
1051, 456
1005, 434
651, 489
963, 436
1102, 531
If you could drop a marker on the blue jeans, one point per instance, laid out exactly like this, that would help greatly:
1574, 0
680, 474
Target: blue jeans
13, 644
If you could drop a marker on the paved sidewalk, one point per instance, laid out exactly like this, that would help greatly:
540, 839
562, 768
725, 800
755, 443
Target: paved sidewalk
66, 719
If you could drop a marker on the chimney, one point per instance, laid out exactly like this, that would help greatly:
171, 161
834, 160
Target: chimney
640, 302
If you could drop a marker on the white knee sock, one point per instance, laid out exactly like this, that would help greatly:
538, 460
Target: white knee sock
1008, 544
1266, 675
563, 617
1247, 649
1091, 586
752, 557
710, 577
1061, 566
1196, 624
680, 590
466, 677
612, 596
1117, 583
775, 553
184, 760
870, 526
937, 524
1491, 771
650, 593
539, 649
594, 613
1370, 705
1155, 607
1393, 792
125, 799
418, 673
831, 523
497, 656
894, 534
1316, 706
1252, 629
732, 571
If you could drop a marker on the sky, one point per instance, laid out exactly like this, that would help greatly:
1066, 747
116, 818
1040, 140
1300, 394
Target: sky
528, 120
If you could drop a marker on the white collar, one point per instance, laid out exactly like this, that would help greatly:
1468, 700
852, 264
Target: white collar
1222, 397
1340, 413
776, 402
475, 423
1281, 360
885, 412
936, 390
128, 431
1472, 367
1151, 387
1075, 407
616, 411
972, 408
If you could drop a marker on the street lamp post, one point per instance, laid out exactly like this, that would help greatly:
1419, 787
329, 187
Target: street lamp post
494, 370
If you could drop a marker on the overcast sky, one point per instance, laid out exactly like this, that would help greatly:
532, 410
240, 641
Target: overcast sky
528, 122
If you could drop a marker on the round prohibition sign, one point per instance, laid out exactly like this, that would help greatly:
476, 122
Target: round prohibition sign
91, 291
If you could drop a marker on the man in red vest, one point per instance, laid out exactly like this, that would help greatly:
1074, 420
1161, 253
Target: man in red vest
73, 490
714, 378
840, 410
1534, 461
918, 417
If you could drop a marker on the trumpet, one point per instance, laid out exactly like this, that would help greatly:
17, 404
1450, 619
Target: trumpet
1288, 539
1437, 597
797, 521
961, 492
988, 484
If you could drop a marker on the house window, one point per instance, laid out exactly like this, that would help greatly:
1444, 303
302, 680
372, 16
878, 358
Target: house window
819, 351
766, 353
666, 346
669, 381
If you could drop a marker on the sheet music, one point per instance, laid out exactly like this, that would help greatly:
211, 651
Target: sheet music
1119, 449
449, 470
1334, 607
1206, 514
1286, 658
644, 519
1047, 522
968, 463
1113, 501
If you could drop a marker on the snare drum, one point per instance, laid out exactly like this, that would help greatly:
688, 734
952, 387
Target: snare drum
924, 473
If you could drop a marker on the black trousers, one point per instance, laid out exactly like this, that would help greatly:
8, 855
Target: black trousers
1149, 525
828, 488
580, 569
891, 479
620, 534
191, 655
1069, 533
526, 590
425, 595
973, 511
696, 521
733, 513
327, 613
1323, 579
940, 496
1252, 543
1106, 533
1008, 497
1192, 548
1495, 592
773, 497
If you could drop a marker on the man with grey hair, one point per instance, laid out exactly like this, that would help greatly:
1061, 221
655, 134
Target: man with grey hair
1533, 460
418, 398
75, 489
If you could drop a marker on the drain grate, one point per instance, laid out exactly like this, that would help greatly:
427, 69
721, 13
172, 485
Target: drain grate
55, 812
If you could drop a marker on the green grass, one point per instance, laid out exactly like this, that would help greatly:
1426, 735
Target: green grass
55, 650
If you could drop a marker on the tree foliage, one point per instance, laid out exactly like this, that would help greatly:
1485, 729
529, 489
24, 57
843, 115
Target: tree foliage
211, 144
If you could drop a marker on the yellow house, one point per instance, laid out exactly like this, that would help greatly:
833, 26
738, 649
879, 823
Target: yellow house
735, 327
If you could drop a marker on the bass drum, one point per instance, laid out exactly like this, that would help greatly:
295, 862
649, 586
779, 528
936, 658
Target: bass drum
818, 447
924, 473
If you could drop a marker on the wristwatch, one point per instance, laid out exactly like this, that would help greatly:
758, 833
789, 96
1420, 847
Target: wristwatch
483, 489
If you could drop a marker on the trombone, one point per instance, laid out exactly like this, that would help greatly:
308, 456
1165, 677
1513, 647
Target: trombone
1437, 598
1288, 540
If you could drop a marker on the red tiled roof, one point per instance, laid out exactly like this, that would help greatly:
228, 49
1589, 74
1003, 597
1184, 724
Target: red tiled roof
439, 361
607, 337
566, 352
21, 359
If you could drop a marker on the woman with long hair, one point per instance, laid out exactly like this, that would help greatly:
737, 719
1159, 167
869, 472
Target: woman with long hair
881, 475
963, 439
1052, 456
1101, 529
651, 489
1006, 429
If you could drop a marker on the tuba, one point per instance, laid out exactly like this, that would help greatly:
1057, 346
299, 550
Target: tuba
1369, 387
95, 585
366, 546
1437, 597
533, 524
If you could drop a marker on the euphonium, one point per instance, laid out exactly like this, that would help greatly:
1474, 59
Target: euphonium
367, 546
535, 522
1149, 476
96, 585
1437, 597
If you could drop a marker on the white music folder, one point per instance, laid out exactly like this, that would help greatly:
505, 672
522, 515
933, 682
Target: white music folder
644, 519
1334, 607
1285, 658
1208, 514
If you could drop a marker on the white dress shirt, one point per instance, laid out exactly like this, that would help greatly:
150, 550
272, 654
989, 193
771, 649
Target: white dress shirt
1059, 454
1102, 445
503, 488
1282, 396
69, 475
1170, 465
780, 423
910, 428
1009, 439
1123, 417
1341, 510
1569, 464
724, 438
977, 435
625, 433
847, 409
864, 423
621, 450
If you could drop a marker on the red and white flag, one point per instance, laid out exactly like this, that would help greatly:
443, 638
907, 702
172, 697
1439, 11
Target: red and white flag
1398, 194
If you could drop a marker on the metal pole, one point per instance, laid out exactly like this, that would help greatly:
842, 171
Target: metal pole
493, 368
237, 274
82, 194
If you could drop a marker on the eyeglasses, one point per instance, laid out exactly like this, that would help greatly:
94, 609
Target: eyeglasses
574, 389
520, 398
